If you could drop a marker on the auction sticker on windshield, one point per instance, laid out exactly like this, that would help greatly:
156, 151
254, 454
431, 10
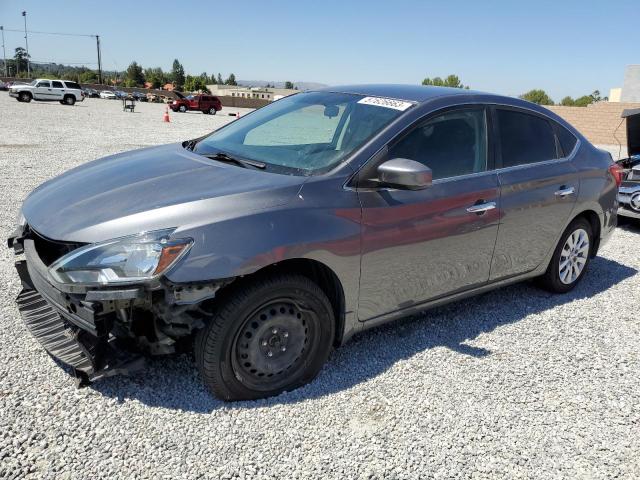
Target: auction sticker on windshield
386, 102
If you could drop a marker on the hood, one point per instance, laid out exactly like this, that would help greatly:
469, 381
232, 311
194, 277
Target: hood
150, 189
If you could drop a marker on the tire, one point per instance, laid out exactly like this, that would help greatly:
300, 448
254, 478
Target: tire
212, 111
273, 335
206, 112
25, 97
182, 109
69, 100
573, 259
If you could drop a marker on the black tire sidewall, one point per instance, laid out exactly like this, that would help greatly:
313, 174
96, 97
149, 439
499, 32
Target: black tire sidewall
216, 343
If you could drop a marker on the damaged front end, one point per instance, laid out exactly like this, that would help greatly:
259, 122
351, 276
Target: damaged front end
99, 308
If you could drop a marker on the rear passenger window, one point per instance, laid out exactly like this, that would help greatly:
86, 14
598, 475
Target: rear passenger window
525, 138
566, 138
57, 84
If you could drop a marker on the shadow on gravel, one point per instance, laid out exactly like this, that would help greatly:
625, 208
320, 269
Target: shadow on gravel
174, 383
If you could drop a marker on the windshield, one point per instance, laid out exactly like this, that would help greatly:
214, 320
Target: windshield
303, 134
33, 84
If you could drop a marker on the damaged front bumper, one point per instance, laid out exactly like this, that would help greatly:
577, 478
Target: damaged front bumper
101, 332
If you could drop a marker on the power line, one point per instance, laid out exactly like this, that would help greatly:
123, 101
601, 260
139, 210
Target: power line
51, 33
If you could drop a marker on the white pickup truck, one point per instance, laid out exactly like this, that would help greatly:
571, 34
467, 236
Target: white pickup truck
63, 91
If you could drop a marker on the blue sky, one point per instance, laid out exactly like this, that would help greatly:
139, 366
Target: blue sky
566, 47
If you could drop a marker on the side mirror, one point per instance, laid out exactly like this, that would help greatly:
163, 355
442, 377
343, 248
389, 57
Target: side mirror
405, 174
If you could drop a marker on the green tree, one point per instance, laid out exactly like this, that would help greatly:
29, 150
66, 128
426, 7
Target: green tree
583, 101
451, 81
88, 76
20, 59
177, 74
195, 84
537, 96
135, 75
288, 85
219, 80
567, 101
231, 80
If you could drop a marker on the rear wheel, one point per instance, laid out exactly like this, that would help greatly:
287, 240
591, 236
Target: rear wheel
24, 97
274, 335
212, 111
69, 100
570, 258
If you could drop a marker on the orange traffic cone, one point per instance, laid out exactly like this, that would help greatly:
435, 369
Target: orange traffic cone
165, 117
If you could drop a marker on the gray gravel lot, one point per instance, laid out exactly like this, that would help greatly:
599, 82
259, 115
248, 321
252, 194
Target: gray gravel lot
516, 383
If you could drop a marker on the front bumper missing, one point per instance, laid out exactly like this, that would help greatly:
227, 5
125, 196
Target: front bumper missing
69, 330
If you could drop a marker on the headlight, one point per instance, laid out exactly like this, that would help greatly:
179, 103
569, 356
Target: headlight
124, 260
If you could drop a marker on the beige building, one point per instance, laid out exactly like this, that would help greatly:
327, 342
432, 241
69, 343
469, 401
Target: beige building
261, 93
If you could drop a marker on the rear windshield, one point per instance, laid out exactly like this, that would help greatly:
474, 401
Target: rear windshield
303, 134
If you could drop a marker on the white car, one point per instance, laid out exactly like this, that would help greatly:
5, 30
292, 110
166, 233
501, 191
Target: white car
107, 94
43, 89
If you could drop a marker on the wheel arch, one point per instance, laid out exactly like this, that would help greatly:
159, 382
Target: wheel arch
316, 271
596, 226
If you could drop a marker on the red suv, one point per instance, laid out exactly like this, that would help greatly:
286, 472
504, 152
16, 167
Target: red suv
204, 103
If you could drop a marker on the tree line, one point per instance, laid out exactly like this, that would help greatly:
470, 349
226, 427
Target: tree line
134, 76
536, 95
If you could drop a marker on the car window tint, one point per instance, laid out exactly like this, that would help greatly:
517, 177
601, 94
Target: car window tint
567, 139
524, 138
72, 85
57, 84
451, 144
305, 126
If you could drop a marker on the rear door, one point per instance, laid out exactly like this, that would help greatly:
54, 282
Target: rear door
57, 89
421, 245
538, 190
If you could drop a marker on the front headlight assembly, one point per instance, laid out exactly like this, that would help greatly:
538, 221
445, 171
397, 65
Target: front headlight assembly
134, 259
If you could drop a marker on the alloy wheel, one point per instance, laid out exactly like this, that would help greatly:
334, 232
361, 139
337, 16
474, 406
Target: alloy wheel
573, 256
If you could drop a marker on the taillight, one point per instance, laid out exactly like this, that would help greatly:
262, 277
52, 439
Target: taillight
617, 172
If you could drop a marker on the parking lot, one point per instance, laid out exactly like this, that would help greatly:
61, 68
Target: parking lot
517, 383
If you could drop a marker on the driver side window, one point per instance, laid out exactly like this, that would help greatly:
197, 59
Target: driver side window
451, 144
44, 84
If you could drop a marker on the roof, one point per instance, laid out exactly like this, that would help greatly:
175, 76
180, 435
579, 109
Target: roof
412, 93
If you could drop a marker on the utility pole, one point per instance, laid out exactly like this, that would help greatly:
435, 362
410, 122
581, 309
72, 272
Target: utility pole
26, 42
4, 52
99, 60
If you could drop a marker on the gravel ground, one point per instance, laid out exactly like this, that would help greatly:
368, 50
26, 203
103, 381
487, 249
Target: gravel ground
512, 384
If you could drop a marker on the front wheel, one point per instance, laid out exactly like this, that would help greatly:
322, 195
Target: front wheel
182, 108
24, 97
212, 111
271, 336
570, 258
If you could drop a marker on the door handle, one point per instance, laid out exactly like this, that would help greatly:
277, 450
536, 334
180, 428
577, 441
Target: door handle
565, 191
480, 208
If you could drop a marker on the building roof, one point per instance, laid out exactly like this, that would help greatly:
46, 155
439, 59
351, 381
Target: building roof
412, 93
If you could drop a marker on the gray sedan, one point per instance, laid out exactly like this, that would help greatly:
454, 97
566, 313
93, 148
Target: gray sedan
274, 239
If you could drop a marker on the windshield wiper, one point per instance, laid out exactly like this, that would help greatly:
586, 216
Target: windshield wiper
243, 162
190, 144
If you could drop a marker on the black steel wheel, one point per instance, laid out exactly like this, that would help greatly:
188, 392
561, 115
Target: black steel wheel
267, 337
24, 97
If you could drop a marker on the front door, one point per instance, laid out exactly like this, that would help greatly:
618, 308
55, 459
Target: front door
539, 187
421, 245
42, 91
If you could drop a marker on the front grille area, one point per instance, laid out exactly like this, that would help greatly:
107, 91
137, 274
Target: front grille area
59, 339
50, 250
